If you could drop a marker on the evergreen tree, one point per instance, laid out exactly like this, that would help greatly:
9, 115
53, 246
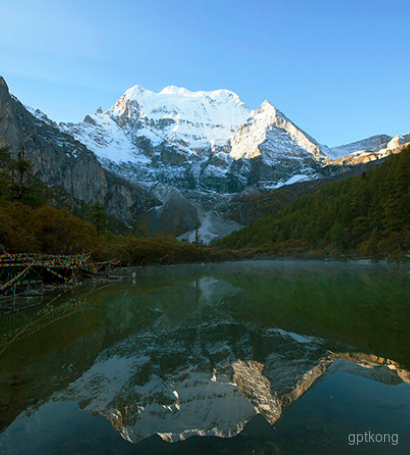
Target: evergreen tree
98, 217
20, 168
4, 170
14, 174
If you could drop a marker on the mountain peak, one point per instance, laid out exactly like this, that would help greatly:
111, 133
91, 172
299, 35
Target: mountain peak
136, 92
4, 89
269, 111
267, 104
177, 114
174, 90
220, 94
269, 133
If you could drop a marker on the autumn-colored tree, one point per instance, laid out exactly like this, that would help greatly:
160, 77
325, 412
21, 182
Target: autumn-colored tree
58, 231
16, 233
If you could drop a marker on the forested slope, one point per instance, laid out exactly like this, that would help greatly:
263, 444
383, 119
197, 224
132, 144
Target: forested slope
368, 215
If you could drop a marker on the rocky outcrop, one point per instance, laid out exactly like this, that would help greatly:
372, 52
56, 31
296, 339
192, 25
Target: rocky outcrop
398, 141
176, 216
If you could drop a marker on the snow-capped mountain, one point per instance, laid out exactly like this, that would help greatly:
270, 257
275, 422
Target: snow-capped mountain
210, 142
209, 146
398, 140
272, 149
206, 141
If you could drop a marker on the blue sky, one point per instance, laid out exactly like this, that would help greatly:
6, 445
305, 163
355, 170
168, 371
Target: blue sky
339, 69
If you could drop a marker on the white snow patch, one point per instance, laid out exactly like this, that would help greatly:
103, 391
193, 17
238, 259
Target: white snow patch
299, 338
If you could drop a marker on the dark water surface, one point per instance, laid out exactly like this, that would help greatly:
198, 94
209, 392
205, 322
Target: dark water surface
252, 357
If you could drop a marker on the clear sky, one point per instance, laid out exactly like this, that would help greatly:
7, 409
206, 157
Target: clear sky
339, 69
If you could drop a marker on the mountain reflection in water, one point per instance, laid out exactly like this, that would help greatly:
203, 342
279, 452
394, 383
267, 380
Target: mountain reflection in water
200, 351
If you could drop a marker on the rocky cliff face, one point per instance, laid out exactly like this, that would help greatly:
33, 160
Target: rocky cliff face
175, 216
59, 160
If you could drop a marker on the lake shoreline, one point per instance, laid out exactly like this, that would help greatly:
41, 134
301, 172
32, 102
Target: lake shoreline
238, 255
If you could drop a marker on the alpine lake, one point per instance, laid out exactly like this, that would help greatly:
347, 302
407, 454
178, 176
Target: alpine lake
253, 357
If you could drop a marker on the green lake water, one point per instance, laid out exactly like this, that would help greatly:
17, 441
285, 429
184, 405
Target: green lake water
264, 357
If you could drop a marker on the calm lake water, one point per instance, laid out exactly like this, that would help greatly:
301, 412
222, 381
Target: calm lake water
256, 357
